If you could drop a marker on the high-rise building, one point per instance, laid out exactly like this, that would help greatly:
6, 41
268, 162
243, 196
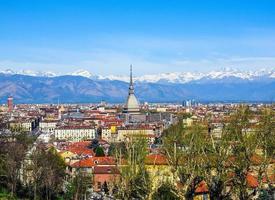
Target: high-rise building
132, 105
10, 103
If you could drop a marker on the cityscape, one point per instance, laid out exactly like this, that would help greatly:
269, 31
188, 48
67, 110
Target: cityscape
177, 120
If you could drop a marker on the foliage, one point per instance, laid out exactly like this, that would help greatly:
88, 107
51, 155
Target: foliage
77, 187
5, 195
12, 153
135, 181
139, 185
94, 144
47, 170
165, 191
118, 150
193, 153
99, 152
182, 116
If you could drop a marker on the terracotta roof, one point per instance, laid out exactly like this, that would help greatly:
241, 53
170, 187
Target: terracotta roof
201, 188
156, 159
255, 160
94, 161
252, 181
106, 170
81, 148
83, 163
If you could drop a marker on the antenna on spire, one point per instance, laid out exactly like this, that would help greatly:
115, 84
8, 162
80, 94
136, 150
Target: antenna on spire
131, 86
131, 75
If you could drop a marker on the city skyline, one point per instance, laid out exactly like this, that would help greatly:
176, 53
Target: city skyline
105, 37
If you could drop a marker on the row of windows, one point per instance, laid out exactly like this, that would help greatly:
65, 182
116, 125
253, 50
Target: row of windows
75, 135
75, 131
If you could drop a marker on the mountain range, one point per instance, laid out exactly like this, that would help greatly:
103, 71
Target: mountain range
28, 86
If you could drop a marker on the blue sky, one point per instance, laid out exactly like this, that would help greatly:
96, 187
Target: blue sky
106, 36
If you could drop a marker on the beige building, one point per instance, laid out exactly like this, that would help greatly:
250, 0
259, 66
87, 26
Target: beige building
126, 133
75, 133
24, 125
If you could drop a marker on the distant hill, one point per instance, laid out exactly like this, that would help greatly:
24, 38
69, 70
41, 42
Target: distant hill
80, 89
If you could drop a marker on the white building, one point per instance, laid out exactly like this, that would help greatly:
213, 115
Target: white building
48, 126
75, 133
44, 137
106, 134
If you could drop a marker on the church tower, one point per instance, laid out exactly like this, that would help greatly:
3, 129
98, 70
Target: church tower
132, 105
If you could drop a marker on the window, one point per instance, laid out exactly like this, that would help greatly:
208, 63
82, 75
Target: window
99, 185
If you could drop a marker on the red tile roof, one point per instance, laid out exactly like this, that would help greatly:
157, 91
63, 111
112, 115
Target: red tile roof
94, 161
201, 188
80, 148
84, 163
156, 159
251, 181
106, 170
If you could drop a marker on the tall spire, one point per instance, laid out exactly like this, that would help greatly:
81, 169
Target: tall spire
131, 87
132, 105
131, 75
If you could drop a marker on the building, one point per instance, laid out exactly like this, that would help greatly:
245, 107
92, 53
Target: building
108, 175
106, 134
48, 126
75, 133
159, 169
126, 133
23, 124
10, 103
132, 105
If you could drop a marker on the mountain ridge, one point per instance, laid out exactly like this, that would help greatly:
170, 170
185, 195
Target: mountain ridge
172, 77
79, 89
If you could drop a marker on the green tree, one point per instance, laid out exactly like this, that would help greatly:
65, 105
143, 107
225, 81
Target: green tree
187, 149
139, 185
242, 144
13, 150
135, 181
78, 187
166, 191
118, 150
99, 152
47, 170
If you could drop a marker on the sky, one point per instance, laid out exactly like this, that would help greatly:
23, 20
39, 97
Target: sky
155, 36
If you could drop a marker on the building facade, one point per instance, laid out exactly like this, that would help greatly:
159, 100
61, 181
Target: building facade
75, 133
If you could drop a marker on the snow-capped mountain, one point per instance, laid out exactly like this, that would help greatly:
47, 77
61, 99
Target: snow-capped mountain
185, 77
173, 77
37, 73
83, 73
29, 73
7, 71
